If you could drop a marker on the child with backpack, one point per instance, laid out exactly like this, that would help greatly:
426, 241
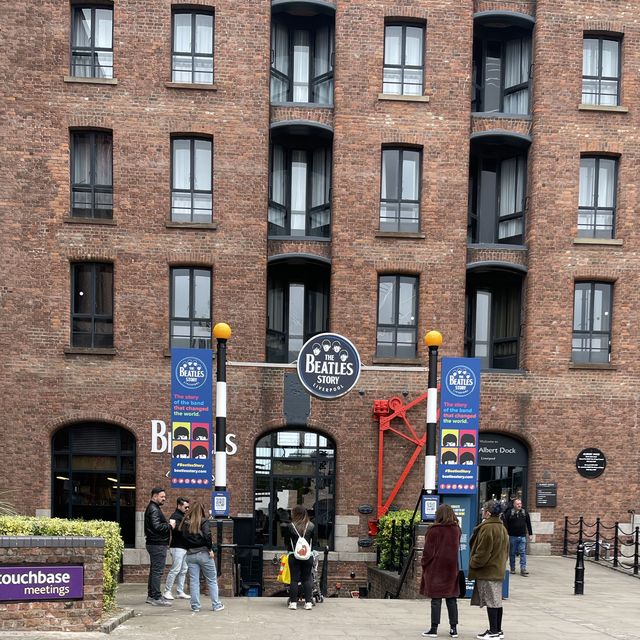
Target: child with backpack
298, 538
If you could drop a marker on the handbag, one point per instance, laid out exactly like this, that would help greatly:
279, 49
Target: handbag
462, 581
284, 573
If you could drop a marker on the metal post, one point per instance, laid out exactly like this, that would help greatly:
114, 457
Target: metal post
392, 545
635, 553
433, 340
222, 332
596, 555
578, 585
615, 544
401, 547
565, 543
580, 530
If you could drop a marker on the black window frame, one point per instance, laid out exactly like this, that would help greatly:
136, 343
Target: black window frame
91, 50
600, 78
192, 191
93, 316
415, 227
93, 187
610, 234
402, 66
195, 342
395, 327
194, 13
589, 334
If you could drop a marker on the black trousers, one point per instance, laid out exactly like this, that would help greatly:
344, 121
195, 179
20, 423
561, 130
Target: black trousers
452, 610
300, 572
158, 559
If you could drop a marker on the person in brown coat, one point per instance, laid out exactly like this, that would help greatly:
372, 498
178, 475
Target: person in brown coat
489, 546
440, 569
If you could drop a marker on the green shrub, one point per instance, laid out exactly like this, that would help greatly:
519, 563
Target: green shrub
110, 531
383, 538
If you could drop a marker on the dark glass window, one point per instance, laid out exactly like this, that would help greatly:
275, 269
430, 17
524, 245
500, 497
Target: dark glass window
92, 42
300, 191
191, 308
601, 71
592, 322
291, 468
597, 204
191, 180
92, 305
397, 317
94, 475
297, 308
400, 190
302, 56
403, 59
492, 327
92, 174
192, 55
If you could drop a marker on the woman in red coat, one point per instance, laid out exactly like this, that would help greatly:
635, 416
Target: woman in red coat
440, 569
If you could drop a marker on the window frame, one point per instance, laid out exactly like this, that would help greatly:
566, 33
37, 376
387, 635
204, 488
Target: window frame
395, 327
92, 50
400, 201
404, 25
193, 12
191, 191
191, 319
600, 78
596, 209
589, 334
93, 317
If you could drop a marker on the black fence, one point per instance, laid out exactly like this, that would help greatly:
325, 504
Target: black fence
617, 545
400, 545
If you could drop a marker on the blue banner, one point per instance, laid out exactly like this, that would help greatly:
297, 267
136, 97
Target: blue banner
191, 417
459, 425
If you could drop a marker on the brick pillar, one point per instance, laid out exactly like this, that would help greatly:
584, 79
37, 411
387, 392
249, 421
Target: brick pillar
225, 580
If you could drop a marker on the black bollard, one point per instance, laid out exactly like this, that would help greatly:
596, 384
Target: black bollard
578, 585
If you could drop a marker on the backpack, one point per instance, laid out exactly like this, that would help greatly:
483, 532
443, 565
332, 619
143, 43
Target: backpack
302, 549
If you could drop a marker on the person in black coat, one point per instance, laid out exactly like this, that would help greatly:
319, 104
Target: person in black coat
518, 524
300, 526
157, 532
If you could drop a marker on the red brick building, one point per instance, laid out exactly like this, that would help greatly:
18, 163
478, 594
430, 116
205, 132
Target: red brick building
375, 169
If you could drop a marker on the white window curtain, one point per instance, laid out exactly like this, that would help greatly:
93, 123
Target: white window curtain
298, 192
81, 159
301, 57
511, 194
104, 156
517, 62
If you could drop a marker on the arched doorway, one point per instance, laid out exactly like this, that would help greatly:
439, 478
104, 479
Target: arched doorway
294, 467
94, 475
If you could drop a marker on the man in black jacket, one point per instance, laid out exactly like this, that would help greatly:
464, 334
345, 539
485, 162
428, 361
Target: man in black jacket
518, 524
158, 533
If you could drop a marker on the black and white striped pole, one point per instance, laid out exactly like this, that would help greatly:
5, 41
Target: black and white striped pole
221, 332
433, 340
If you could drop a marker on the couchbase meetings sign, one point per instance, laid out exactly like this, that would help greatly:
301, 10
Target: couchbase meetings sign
56, 582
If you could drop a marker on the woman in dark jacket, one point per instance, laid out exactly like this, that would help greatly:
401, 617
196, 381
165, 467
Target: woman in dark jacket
300, 526
440, 569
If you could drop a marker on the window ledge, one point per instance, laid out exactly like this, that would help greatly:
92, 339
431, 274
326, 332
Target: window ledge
603, 107
401, 98
191, 85
611, 242
89, 351
81, 80
496, 245
298, 238
409, 361
305, 105
500, 114
593, 365
191, 225
400, 234
77, 220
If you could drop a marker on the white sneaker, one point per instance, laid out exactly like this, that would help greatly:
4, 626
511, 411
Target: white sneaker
293, 606
308, 605
167, 595
182, 595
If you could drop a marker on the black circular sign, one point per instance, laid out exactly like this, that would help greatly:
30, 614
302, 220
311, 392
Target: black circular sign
328, 366
591, 463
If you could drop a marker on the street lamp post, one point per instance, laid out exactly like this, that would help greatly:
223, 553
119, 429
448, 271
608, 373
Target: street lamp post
433, 340
222, 332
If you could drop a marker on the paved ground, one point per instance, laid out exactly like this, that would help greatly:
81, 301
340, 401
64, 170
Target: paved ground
540, 606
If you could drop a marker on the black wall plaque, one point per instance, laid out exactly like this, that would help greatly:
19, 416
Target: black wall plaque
546, 494
591, 463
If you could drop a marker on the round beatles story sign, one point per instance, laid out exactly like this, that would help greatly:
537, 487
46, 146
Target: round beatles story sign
328, 366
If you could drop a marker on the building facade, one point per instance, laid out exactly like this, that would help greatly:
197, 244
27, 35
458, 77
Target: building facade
375, 169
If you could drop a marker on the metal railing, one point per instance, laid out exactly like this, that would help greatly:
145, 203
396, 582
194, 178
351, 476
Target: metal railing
617, 545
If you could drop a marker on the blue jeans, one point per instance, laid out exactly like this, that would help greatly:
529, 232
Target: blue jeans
178, 569
197, 561
518, 544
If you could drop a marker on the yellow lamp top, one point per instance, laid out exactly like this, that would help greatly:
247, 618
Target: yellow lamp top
222, 331
433, 339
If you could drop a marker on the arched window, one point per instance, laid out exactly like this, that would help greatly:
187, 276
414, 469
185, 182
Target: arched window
94, 475
294, 467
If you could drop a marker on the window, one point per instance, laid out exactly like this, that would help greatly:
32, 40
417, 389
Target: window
492, 326
92, 42
400, 190
192, 55
191, 308
92, 305
300, 191
597, 205
191, 177
297, 307
397, 317
91, 174
302, 56
403, 59
592, 322
601, 71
